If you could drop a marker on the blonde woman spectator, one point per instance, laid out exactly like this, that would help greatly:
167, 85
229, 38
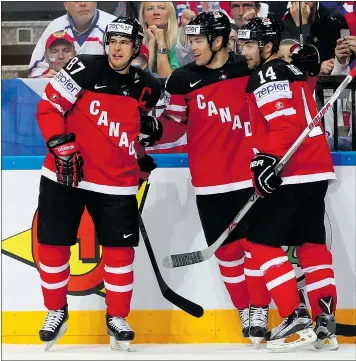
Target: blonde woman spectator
159, 22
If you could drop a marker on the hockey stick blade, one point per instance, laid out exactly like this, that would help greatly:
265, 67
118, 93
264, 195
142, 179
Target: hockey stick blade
188, 306
186, 259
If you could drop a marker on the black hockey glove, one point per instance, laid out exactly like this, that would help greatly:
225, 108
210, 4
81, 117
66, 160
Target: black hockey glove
151, 130
307, 59
69, 162
147, 165
264, 177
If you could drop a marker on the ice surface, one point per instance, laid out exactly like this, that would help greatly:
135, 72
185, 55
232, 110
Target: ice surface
171, 352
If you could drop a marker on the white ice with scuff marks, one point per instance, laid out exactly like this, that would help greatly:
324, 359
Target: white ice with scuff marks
171, 352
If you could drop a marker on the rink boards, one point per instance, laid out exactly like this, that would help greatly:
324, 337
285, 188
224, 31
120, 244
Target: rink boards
171, 219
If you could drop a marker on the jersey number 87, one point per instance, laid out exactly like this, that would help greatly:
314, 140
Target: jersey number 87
79, 66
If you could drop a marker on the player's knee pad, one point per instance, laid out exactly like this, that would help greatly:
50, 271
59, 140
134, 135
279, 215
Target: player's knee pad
279, 276
53, 256
267, 256
310, 254
118, 279
316, 263
55, 273
118, 256
231, 259
230, 252
259, 295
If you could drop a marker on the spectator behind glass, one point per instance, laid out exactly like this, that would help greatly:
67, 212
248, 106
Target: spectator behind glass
344, 53
59, 50
243, 11
320, 27
183, 47
83, 22
142, 60
159, 22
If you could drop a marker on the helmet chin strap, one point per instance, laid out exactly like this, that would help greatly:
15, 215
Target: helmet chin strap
213, 53
212, 57
261, 46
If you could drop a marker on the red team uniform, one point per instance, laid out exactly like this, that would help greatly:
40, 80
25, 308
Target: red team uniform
281, 107
90, 113
212, 105
105, 131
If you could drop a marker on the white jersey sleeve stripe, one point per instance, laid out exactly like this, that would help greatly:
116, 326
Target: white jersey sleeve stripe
278, 113
177, 108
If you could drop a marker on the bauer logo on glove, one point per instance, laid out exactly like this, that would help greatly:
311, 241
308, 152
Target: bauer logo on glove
264, 177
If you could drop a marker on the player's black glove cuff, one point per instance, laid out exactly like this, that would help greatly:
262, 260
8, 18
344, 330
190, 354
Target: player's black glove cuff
151, 130
264, 177
147, 165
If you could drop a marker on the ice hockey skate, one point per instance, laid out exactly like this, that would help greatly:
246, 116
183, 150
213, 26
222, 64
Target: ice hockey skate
258, 324
299, 324
245, 321
326, 326
54, 327
120, 333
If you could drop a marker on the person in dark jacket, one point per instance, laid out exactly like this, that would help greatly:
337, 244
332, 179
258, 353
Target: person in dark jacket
320, 26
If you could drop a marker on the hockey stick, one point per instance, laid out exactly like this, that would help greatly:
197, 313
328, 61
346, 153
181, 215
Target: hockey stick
300, 24
181, 302
185, 259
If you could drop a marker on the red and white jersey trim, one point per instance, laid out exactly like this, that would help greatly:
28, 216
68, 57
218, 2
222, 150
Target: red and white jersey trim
278, 113
177, 108
308, 178
57, 106
181, 141
89, 186
223, 188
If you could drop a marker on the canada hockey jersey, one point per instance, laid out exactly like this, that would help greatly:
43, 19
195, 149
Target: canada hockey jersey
91, 42
174, 138
282, 106
212, 103
102, 108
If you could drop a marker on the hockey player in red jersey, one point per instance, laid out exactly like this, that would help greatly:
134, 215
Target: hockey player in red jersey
282, 105
89, 116
208, 96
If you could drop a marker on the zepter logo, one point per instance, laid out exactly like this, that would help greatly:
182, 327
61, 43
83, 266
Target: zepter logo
85, 262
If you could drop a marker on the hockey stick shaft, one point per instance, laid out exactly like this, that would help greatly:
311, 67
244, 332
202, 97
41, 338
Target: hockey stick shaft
179, 301
185, 259
300, 24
